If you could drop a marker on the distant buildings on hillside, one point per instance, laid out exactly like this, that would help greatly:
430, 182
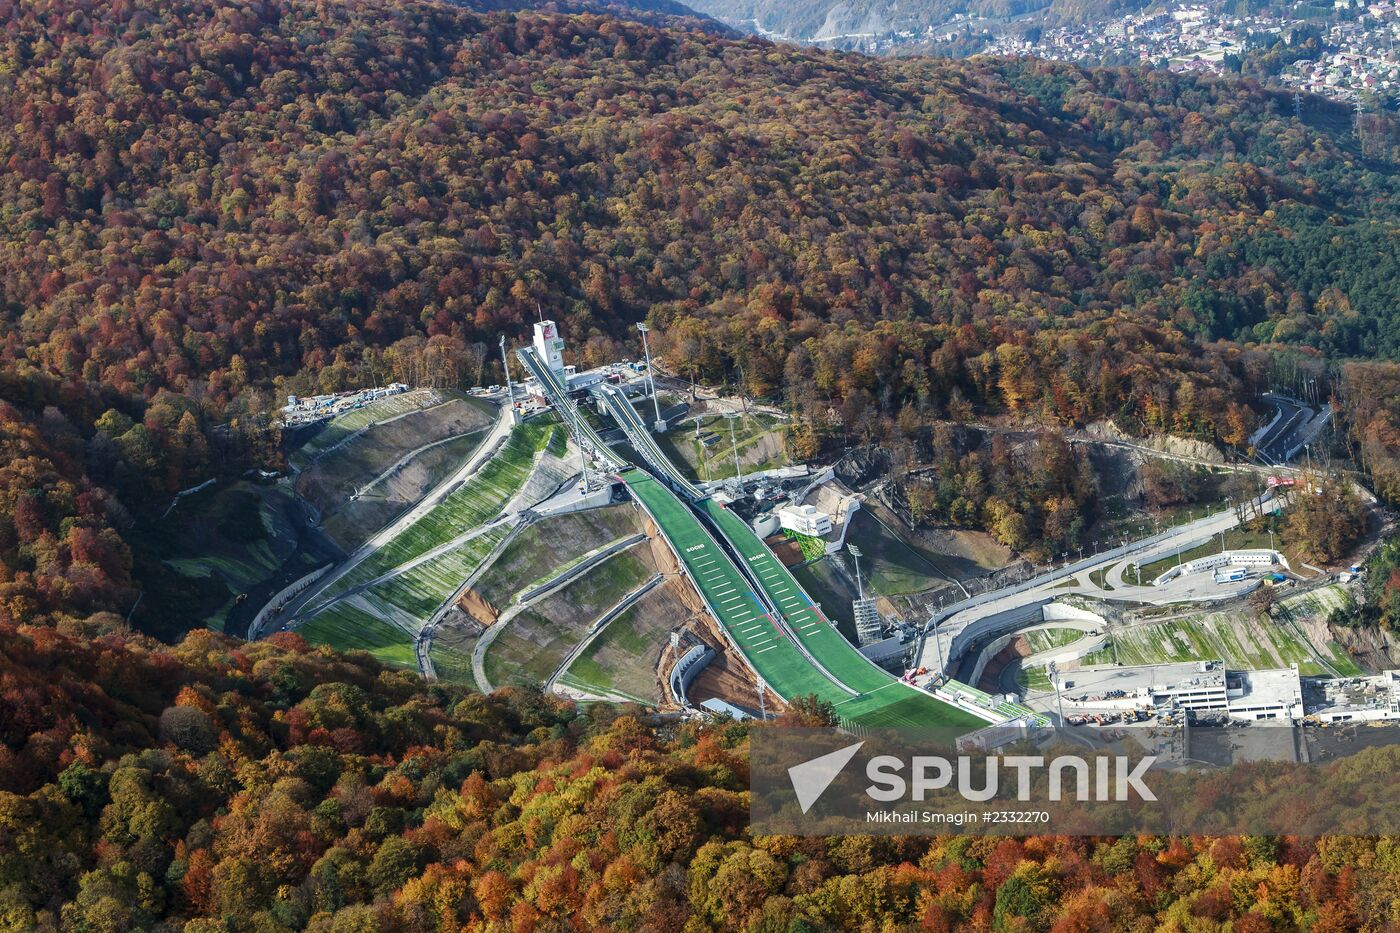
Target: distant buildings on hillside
1359, 56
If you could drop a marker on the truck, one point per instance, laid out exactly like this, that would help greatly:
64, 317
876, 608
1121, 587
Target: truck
1230, 574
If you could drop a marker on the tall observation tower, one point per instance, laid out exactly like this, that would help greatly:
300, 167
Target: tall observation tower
550, 347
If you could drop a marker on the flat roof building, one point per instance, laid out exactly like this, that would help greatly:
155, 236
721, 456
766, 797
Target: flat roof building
805, 520
1197, 686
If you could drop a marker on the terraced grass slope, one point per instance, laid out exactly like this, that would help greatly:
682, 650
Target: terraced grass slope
477, 501
349, 627
550, 546
401, 599
537, 640
342, 427
622, 660
1244, 641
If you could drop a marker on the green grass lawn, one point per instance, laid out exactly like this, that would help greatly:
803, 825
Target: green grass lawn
476, 501
890, 564
346, 628
1046, 638
1033, 678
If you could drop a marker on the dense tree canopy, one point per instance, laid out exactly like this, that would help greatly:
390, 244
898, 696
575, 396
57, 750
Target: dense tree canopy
216, 785
205, 205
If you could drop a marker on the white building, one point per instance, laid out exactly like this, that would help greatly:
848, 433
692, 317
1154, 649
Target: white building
1258, 695
1361, 699
550, 347
805, 520
1199, 686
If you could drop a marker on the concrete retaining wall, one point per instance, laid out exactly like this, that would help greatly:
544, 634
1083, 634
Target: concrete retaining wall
684, 671
285, 594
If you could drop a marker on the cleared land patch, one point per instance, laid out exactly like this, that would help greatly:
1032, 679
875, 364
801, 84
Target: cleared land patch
759, 438
246, 535
550, 546
622, 659
891, 567
406, 602
537, 639
451, 651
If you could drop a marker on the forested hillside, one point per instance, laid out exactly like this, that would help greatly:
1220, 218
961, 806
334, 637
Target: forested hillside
221, 786
206, 205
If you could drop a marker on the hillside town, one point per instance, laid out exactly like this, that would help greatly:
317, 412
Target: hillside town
1355, 61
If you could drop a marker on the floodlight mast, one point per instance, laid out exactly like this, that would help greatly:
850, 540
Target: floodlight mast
651, 380
938, 646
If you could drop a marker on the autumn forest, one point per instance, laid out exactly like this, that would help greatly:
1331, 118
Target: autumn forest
205, 206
